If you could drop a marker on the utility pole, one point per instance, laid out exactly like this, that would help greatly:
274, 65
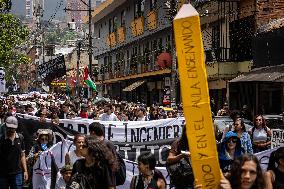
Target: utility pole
90, 46
78, 63
90, 51
40, 44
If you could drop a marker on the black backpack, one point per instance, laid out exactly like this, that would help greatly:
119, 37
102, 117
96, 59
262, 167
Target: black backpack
181, 173
120, 174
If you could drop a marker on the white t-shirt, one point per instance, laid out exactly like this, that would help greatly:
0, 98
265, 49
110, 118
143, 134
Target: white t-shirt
73, 157
260, 135
106, 117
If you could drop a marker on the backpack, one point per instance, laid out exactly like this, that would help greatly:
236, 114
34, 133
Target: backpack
78, 181
181, 173
120, 174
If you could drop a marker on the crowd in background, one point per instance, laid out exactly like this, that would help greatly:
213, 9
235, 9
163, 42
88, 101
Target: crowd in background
96, 159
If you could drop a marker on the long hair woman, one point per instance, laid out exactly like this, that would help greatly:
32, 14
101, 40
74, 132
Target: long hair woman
97, 168
275, 171
260, 134
240, 129
180, 152
246, 173
149, 177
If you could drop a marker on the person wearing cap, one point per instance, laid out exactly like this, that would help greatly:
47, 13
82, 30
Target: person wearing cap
228, 150
43, 142
12, 156
64, 177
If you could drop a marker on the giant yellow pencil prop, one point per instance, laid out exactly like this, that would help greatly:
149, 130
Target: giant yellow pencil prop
195, 97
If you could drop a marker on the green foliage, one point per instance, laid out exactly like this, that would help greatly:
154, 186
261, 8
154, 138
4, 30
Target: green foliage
5, 5
12, 35
58, 36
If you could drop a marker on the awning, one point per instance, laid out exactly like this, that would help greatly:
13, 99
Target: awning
263, 74
133, 86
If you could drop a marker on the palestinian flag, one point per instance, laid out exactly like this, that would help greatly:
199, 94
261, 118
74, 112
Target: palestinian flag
88, 80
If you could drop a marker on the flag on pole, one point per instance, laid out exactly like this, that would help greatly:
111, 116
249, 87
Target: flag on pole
88, 80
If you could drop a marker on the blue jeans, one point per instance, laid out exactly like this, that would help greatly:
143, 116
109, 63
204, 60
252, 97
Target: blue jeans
12, 181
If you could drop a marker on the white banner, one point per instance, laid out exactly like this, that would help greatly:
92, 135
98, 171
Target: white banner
129, 131
277, 138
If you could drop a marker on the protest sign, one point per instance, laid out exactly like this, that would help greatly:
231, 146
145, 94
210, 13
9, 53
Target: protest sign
196, 103
52, 69
277, 138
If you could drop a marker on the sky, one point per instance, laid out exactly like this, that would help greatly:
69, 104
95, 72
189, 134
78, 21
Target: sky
50, 6
18, 8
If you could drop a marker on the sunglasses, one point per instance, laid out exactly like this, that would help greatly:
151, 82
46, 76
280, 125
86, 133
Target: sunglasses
258, 119
233, 140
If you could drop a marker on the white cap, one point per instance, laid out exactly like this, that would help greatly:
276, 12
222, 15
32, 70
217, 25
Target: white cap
11, 122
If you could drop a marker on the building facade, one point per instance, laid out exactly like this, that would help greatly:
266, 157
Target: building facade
134, 46
130, 38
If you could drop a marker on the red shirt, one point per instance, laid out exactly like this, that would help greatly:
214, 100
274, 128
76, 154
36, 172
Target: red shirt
84, 115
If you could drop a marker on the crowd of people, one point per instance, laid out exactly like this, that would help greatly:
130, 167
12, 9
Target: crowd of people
94, 162
62, 107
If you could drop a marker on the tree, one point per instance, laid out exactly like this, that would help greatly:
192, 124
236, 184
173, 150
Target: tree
12, 35
5, 5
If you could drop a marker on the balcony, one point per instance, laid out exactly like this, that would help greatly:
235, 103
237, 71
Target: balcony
152, 20
111, 39
137, 26
121, 34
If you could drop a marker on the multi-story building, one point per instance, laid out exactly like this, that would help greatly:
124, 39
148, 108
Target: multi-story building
262, 88
133, 45
228, 28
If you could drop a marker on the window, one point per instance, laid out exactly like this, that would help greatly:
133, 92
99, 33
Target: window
110, 26
115, 23
139, 8
123, 18
153, 5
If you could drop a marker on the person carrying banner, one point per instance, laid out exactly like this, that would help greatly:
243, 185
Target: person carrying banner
149, 177
96, 170
179, 163
72, 156
13, 166
275, 170
246, 173
43, 142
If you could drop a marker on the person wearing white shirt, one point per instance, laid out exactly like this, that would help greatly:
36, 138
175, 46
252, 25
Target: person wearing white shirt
108, 115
